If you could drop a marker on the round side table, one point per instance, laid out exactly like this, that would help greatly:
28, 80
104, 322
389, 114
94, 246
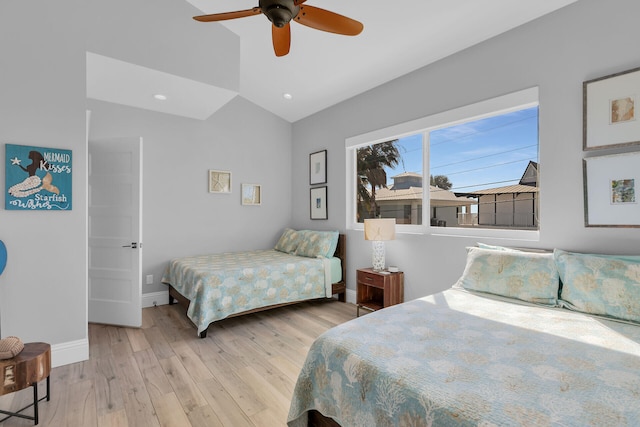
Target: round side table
27, 369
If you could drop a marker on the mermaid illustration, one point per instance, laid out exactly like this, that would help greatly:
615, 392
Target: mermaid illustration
33, 184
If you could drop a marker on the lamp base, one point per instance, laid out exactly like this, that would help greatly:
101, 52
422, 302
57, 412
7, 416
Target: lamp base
377, 257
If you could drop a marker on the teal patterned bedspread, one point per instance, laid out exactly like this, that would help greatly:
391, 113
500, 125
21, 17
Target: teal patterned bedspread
461, 359
219, 285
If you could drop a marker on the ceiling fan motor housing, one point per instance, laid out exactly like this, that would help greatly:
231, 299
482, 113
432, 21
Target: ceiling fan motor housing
280, 12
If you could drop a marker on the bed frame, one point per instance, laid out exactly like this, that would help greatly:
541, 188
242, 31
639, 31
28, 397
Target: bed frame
339, 288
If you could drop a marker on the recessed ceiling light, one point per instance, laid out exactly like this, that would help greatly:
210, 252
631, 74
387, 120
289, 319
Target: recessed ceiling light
160, 97
287, 96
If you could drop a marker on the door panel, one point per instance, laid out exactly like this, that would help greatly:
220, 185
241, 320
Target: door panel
115, 254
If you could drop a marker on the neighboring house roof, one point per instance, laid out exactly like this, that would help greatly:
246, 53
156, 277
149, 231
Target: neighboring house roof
530, 175
439, 197
528, 184
509, 189
404, 174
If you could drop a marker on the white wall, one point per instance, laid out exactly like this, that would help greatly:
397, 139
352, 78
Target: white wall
588, 39
180, 217
43, 289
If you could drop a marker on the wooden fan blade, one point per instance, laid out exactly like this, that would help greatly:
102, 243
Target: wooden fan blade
228, 15
299, 2
281, 39
331, 22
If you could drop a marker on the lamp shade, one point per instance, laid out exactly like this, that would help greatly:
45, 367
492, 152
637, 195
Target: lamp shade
380, 229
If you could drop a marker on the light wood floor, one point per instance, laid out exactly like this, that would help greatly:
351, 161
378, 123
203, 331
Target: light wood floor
162, 374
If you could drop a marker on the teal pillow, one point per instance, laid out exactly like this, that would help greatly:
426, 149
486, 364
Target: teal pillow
318, 244
289, 241
605, 285
527, 276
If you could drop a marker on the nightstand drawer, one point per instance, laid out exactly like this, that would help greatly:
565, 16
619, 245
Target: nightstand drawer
370, 279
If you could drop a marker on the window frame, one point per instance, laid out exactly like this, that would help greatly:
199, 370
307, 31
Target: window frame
519, 100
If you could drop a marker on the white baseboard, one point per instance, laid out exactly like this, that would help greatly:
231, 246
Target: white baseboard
69, 352
155, 298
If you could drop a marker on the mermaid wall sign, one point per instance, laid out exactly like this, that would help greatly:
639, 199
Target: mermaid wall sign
37, 178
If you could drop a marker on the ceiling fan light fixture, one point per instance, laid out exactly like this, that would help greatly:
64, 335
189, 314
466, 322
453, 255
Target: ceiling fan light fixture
281, 12
279, 15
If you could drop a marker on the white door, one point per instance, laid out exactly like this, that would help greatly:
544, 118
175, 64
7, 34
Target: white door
115, 254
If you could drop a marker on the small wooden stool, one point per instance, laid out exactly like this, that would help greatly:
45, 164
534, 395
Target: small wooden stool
28, 368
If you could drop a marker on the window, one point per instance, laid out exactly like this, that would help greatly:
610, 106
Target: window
480, 163
485, 172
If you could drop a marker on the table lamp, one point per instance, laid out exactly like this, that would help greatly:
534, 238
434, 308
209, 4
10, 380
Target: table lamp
378, 230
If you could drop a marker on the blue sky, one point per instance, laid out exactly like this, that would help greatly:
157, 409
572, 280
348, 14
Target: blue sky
491, 152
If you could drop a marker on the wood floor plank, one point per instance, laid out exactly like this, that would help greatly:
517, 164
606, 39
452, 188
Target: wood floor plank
169, 410
241, 392
204, 417
153, 375
81, 405
183, 384
268, 418
268, 394
99, 341
223, 405
107, 386
163, 374
204, 348
137, 402
158, 342
198, 371
147, 318
258, 360
137, 339
114, 419
285, 366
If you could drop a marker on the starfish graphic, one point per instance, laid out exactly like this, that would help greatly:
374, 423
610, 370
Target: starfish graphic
15, 161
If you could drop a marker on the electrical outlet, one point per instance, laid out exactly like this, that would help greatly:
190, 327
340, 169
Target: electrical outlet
149, 279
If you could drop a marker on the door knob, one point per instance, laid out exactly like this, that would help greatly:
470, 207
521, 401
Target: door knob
133, 245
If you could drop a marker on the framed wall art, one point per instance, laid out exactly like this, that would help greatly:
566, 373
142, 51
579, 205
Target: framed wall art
318, 167
612, 190
610, 118
318, 203
219, 181
251, 194
38, 178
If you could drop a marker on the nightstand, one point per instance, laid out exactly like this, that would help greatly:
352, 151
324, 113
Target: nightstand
378, 289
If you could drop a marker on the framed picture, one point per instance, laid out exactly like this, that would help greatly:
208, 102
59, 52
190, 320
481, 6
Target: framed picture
219, 181
318, 203
318, 167
38, 178
609, 117
611, 190
251, 194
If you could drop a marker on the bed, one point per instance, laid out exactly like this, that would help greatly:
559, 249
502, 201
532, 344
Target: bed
512, 343
304, 265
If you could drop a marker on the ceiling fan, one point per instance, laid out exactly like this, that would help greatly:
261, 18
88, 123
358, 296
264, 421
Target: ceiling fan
281, 12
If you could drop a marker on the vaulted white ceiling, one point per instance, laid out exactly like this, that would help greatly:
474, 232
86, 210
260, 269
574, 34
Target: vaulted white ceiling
322, 69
